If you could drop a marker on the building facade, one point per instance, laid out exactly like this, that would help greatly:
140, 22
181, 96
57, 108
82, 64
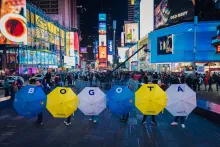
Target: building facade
63, 11
176, 48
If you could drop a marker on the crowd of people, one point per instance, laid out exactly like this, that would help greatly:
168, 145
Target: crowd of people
106, 80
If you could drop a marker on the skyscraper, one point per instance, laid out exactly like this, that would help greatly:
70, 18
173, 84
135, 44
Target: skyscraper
130, 11
63, 11
133, 10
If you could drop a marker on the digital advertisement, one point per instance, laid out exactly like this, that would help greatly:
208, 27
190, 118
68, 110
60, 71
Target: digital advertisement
83, 50
133, 50
165, 45
102, 17
168, 12
102, 28
122, 54
102, 52
131, 33
102, 40
13, 22
110, 51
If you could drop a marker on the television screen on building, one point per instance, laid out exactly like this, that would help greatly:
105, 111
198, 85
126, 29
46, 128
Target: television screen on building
13, 22
168, 12
165, 45
131, 33
102, 17
102, 52
83, 50
102, 40
102, 28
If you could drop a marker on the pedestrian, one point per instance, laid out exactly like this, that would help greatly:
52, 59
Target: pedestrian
67, 122
200, 81
46, 86
206, 82
182, 119
6, 86
94, 118
210, 84
19, 83
48, 77
39, 121
14, 89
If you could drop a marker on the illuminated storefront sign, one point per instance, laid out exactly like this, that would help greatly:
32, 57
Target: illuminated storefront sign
13, 22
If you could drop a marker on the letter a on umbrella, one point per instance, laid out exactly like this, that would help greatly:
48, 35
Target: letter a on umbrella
30, 101
181, 100
62, 102
150, 99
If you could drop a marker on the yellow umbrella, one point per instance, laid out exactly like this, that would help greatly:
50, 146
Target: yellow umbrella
62, 102
150, 99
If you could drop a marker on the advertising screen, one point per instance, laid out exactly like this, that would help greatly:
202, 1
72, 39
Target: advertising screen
76, 41
110, 51
165, 45
13, 28
70, 61
168, 12
102, 52
102, 28
133, 50
102, 17
83, 50
131, 33
71, 43
102, 40
122, 54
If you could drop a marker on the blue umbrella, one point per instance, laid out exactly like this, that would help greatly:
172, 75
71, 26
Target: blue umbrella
120, 99
30, 101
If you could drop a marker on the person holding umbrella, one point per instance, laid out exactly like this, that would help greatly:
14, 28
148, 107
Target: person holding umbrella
39, 121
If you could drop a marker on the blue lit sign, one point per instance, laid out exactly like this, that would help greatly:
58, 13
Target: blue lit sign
102, 28
102, 17
110, 47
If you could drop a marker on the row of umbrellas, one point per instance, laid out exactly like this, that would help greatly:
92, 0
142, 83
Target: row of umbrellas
150, 99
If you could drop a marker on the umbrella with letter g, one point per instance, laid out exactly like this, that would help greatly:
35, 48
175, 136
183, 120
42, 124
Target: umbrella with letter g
92, 101
30, 101
150, 99
120, 100
62, 102
181, 100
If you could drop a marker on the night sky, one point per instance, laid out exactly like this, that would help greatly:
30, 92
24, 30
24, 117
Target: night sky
94, 7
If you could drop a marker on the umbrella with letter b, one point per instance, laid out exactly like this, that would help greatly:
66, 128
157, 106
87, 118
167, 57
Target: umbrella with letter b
62, 102
30, 101
150, 99
181, 100
120, 100
92, 101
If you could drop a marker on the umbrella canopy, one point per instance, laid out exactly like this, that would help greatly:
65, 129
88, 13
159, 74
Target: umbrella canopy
120, 100
150, 99
92, 101
181, 100
30, 101
62, 102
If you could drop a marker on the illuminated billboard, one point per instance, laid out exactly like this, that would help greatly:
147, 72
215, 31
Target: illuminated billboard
133, 50
167, 12
102, 17
165, 45
131, 33
110, 47
13, 21
70, 44
102, 40
122, 54
83, 50
102, 28
102, 52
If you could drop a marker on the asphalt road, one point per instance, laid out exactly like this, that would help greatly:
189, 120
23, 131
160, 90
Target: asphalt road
107, 132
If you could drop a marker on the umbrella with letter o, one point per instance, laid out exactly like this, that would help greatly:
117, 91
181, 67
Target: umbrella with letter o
181, 100
150, 99
120, 100
30, 101
62, 102
92, 101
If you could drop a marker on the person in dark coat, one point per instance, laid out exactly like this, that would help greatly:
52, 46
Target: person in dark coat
39, 121
48, 77
210, 84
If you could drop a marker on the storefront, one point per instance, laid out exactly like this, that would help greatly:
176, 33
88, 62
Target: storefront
172, 48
